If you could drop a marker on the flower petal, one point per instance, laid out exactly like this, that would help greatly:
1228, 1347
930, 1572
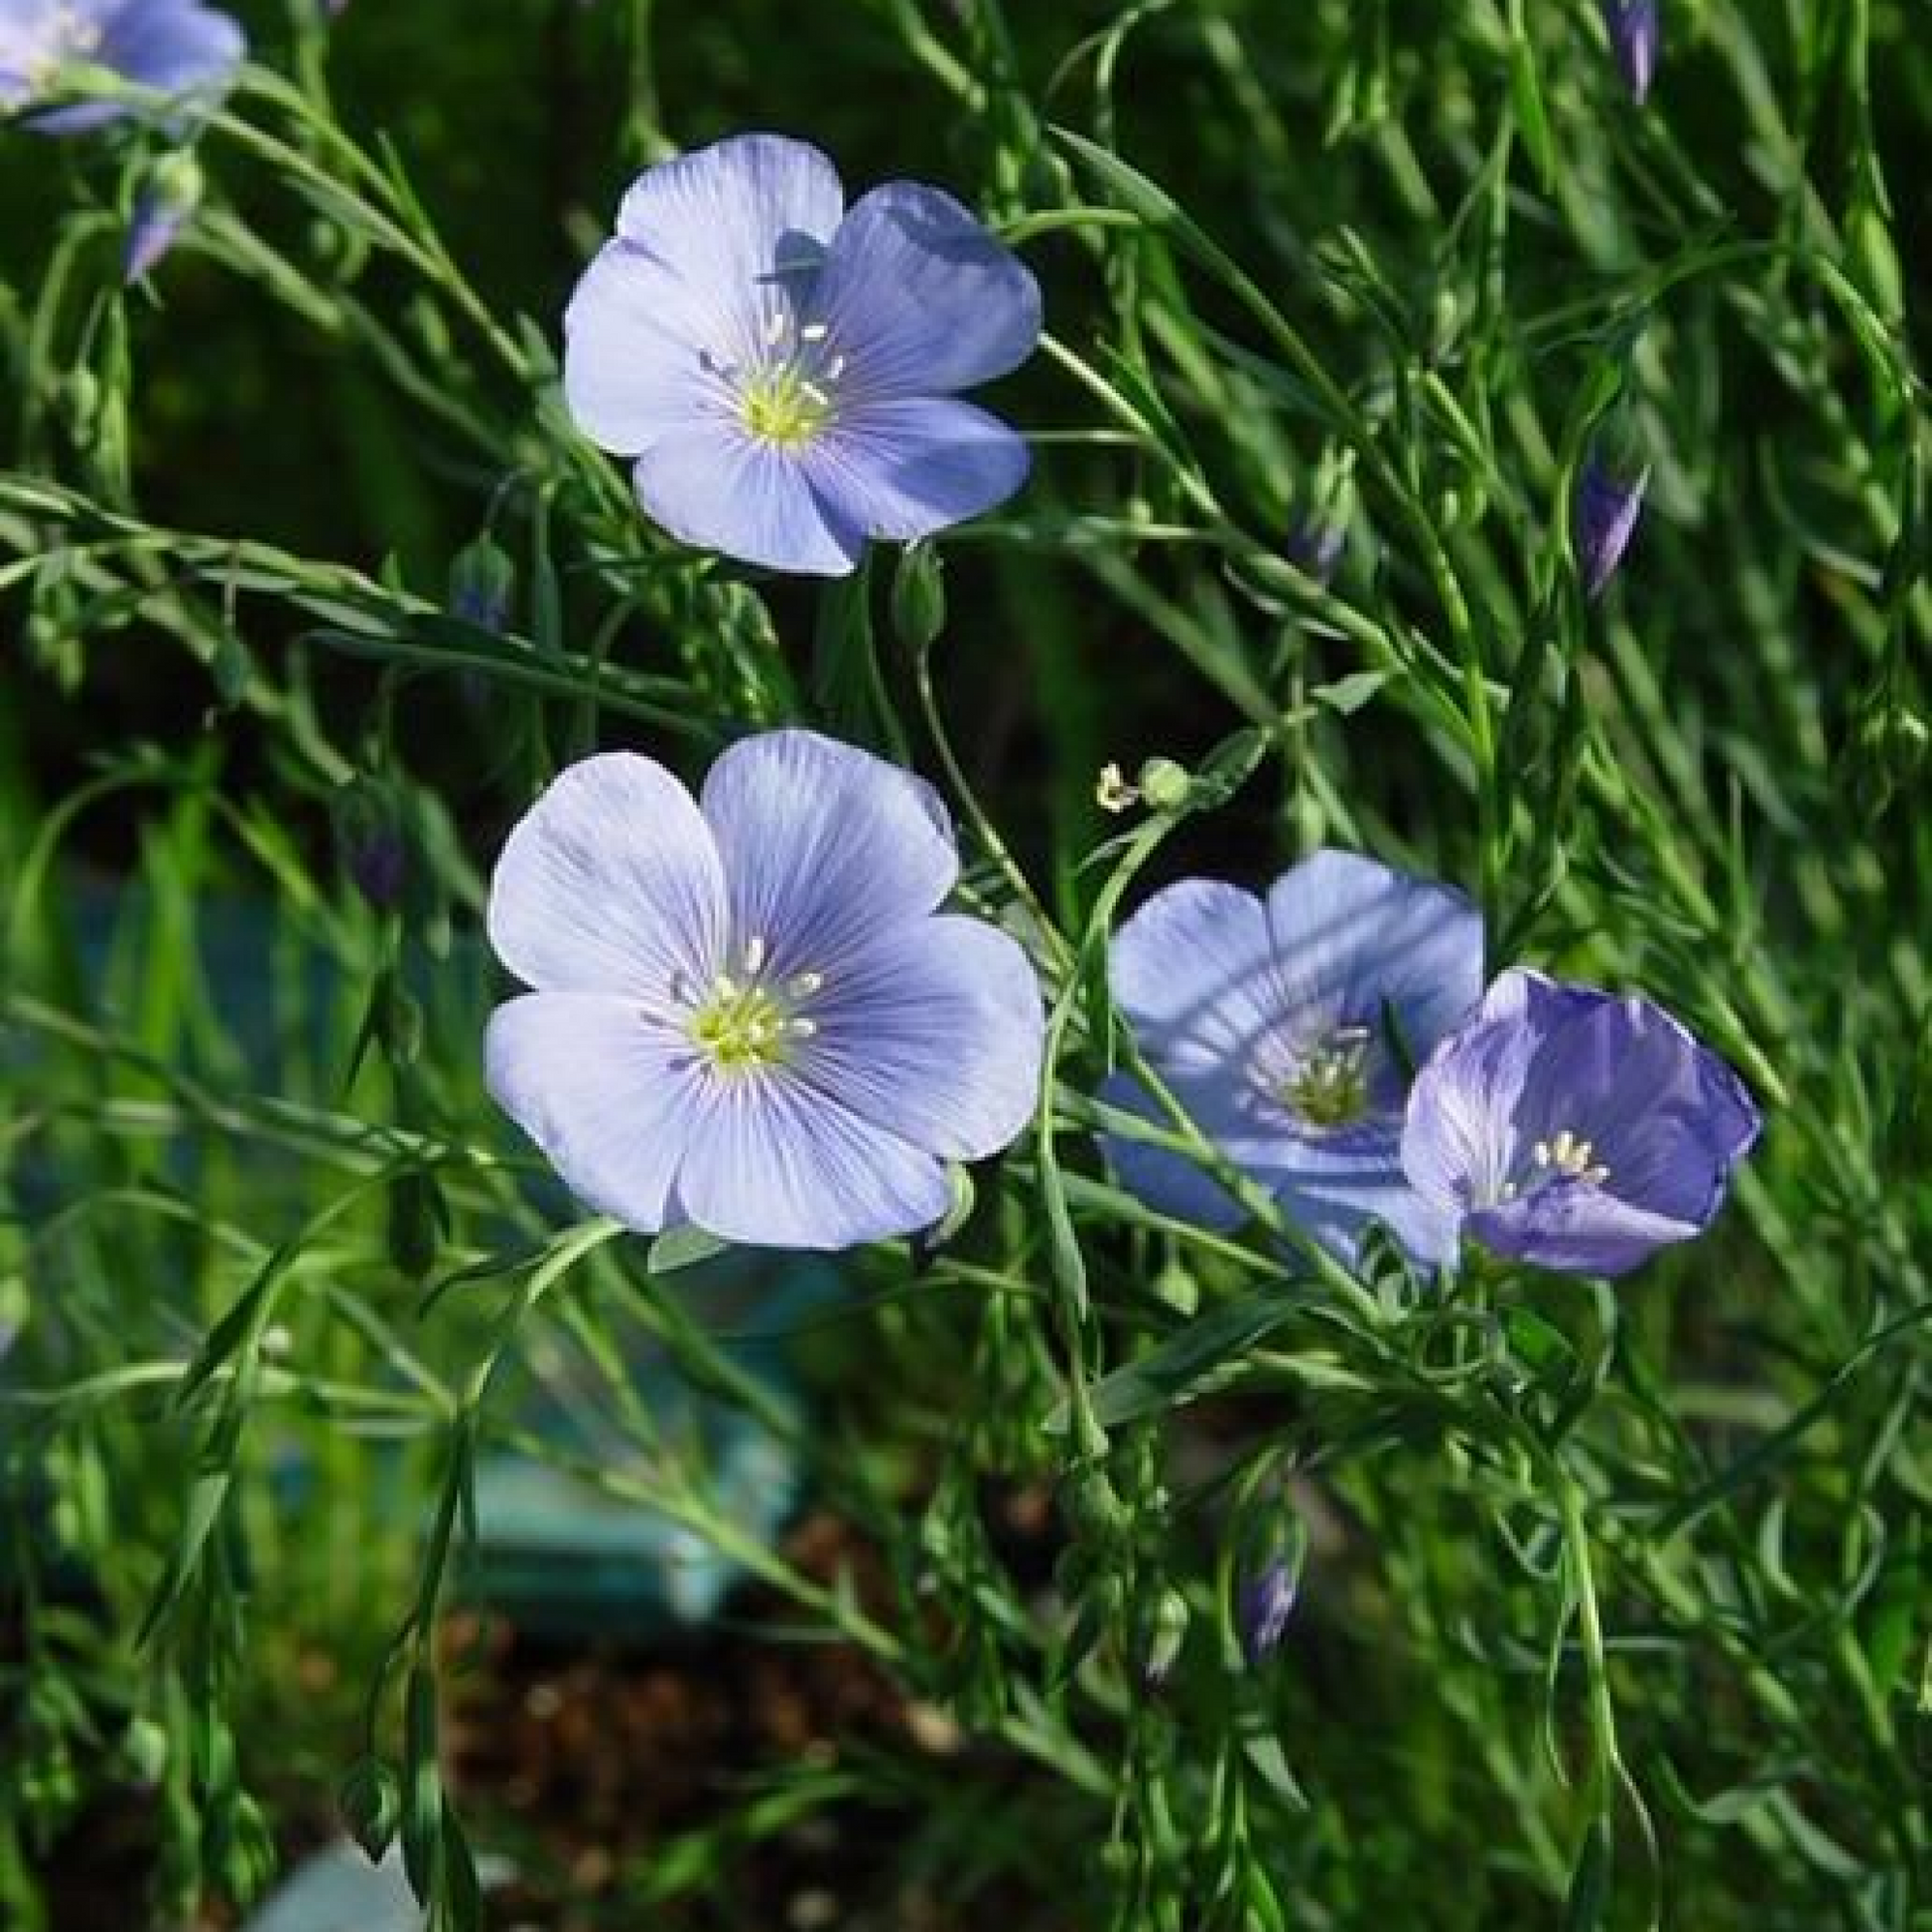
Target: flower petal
775, 1162
921, 299
1352, 936
636, 342
173, 46
1168, 1182
713, 485
608, 1096
1194, 971
1332, 1185
1577, 1229
732, 222
611, 884
905, 469
933, 1029
826, 848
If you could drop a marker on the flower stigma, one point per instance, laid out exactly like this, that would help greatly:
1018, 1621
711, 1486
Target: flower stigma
1566, 1156
745, 1022
1329, 1086
793, 395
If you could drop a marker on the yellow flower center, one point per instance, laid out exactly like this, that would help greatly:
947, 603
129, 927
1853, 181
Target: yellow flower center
1329, 1084
793, 395
744, 1021
1564, 1156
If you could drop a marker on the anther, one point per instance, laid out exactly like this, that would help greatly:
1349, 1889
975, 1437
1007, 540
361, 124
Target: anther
814, 331
801, 986
802, 1028
754, 951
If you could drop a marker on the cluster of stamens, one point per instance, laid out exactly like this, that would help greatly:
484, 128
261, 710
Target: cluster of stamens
67, 36
1565, 1155
792, 391
1329, 1084
744, 1021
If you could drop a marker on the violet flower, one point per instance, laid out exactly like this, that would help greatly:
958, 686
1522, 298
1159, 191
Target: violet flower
749, 1012
1603, 520
174, 47
1575, 1129
1285, 1028
1635, 28
784, 371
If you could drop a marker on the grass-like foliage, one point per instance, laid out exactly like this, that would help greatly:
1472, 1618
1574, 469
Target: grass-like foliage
1438, 453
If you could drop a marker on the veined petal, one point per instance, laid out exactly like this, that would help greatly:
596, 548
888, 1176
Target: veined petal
935, 1031
637, 356
827, 847
611, 884
714, 486
1168, 1182
1579, 1229
1334, 1186
1194, 971
1352, 936
608, 1096
905, 469
779, 1164
921, 299
735, 223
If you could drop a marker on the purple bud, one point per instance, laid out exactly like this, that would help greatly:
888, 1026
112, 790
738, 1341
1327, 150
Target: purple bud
1315, 547
1635, 29
1267, 1603
1603, 520
164, 207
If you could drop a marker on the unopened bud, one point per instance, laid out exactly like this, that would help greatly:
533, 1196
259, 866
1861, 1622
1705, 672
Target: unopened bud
918, 596
1315, 548
482, 580
1165, 784
1605, 517
1166, 1634
1635, 28
1267, 1603
369, 840
164, 207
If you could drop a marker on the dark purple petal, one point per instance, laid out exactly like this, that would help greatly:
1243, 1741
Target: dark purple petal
904, 470
714, 486
611, 1097
933, 1029
1580, 1128
921, 300
827, 847
1578, 1229
774, 1162
611, 883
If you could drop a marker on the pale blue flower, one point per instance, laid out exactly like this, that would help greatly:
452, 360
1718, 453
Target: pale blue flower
784, 371
748, 1012
1286, 1027
1575, 1129
174, 47
1605, 519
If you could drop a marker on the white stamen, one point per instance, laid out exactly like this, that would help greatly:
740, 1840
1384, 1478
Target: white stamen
802, 1028
814, 331
801, 986
754, 952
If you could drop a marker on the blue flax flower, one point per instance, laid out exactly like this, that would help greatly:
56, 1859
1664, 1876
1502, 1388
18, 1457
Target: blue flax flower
1635, 28
1603, 520
783, 370
749, 1012
1575, 1129
1286, 1027
174, 47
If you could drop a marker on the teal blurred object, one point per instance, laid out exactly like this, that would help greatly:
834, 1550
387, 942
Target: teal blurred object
554, 1554
339, 1890
560, 1556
